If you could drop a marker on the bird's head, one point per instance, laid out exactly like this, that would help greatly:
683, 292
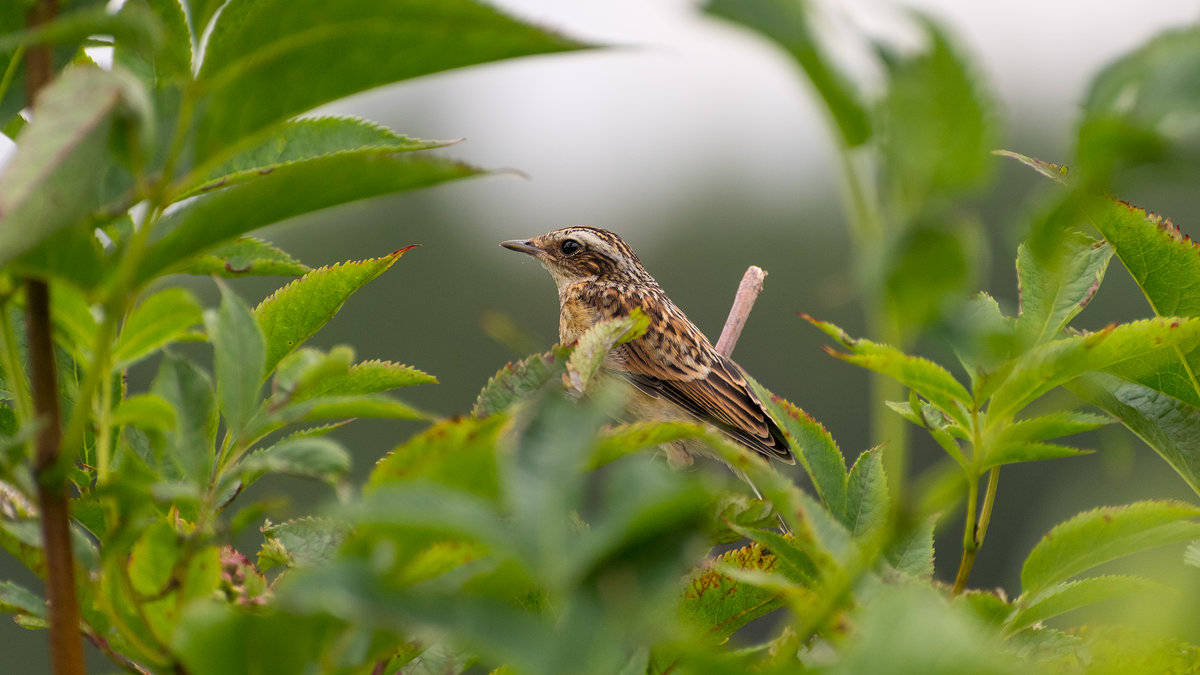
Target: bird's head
579, 254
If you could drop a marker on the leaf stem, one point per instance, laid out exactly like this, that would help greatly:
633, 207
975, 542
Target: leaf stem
970, 546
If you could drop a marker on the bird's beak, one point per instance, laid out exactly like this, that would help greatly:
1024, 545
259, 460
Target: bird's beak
522, 245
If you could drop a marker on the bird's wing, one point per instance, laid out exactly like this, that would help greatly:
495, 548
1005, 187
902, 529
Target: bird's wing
685, 370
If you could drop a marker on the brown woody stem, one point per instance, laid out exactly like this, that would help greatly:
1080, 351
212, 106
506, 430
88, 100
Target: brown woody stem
62, 604
747, 293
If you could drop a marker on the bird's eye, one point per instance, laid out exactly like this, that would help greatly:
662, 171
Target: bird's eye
570, 247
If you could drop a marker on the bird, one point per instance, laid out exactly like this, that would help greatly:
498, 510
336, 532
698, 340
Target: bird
675, 372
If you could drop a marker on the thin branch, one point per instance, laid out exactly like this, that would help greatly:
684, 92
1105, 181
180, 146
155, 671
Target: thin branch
747, 293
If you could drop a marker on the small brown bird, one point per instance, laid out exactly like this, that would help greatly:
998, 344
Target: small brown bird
676, 372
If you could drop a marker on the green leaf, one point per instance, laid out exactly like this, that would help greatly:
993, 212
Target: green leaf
515, 382
153, 558
308, 457
368, 377
1011, 453
1100, 535
73, 255
217, 639
1064, 597
1164, 263
457, 453
75, 327
1139, 349
984, 340
246, 256
595, 344
239, 353
190, 392
290, 190
53, 181
1169, 426
162, 318
145, 411
165, 59
718, 604
270, 60
814, 446
303, 139
867, 499
936, 122
788, 24
1052, 425
294, 313
625, 439
927, 270
304, 542
913, 554
16, 599
931, 381
1054, 291
375, 406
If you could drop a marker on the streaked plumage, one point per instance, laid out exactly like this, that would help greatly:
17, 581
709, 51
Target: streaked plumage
679, 375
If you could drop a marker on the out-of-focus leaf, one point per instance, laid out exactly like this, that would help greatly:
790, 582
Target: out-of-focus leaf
270, 60
246, 256
515, 382
160, 319
718, 604
734, 513
73, 255
294, 313
984, 339
146, 411
319, 458
1100, 535
290, 190
216, 639
789, 25
190, 392
303, 542
1053, 291
53, 181
167, 58
16, 599
625, 439
458, 453
239, 353
75, 327
377, 406
867, 499
595, 344
1066, 596
913, 554
927, 272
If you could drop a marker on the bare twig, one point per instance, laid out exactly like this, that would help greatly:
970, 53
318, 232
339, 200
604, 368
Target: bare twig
747, 293
62, 605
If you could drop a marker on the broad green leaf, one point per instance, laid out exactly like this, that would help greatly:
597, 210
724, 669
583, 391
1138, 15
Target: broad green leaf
913, 554
190, 392
53, 181
215, 638
290, 190
1137, 349
1164, 263
239, 353
16, 599
199, 15
319, 458
75, 327
1011, 453
936, 123
927, 270
246, 256
1100, 535
614, 443
1169, 426
1053, 291
269, 60
423, 505
813, 445
718, 604
368, 377
1052, 425
153, 558
457, 453
306, 368
303, 542
515, 382
789, 24
1064, 597
984, 340
165, 59
146, 411
162, 318
375, 406
867, 499
303, 139
595, 344
294, 313
73, 255
931, 381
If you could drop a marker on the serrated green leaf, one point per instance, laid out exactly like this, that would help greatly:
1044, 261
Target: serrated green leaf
1053, 291
789, 25
304, 542
306, 367
193, 443
867, 499
734, 513
246, 256
367, 377
1052, 425
913, 554
718, 604
458, 453
1067, 596
162, 318
1138, 348
145, 411
614, 443
1100, 535
515, 382
797, 557
270, 60
53, 181
931, 381
375, 406
167, 58
290, 190
985, 339
595, 344
294, 313
309, 457
239, 354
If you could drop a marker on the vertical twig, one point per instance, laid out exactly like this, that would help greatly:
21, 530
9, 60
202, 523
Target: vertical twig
62, 604
747, 293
